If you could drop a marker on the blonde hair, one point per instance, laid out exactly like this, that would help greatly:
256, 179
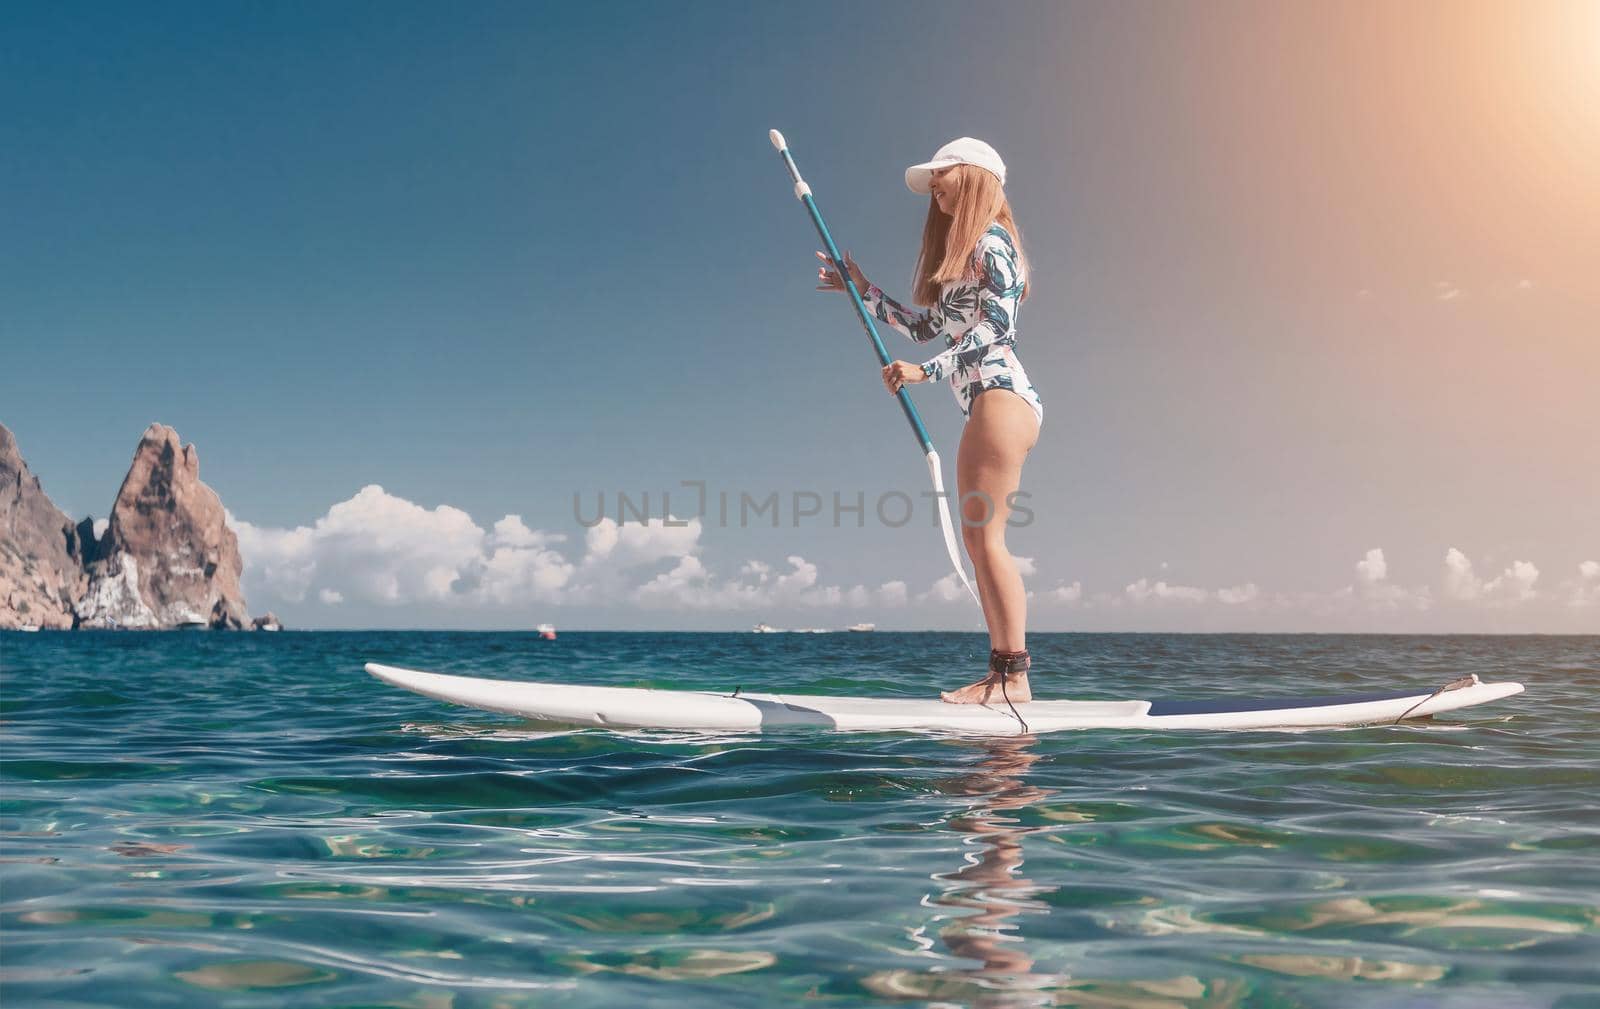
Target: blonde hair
949, 240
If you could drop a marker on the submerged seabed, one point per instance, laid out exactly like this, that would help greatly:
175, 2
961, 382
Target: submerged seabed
250, 820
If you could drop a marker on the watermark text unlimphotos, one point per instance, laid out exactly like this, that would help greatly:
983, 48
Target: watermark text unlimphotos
743, 509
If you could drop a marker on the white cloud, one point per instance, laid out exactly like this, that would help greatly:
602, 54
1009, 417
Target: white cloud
892, 593
1459, 581
1143, 591
758, 570
387, 548
946, 590
1516, 583
376, 548
1444, 290
1372, 568
1068, 594
279, 562
510, 532
521, 565
616, 557
1585, 589
100, 527
803, 576
632, 544
1513, 585
690, 586
676, 585
1238, 594
379, 548
1374, 589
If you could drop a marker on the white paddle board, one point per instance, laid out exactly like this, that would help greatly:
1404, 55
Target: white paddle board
635, 708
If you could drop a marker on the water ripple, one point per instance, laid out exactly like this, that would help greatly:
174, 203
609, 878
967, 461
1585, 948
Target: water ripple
249, 820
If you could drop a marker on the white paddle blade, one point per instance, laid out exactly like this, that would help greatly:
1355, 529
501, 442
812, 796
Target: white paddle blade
777, 139
946, 525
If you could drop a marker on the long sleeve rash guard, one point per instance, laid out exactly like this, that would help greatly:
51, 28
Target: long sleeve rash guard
975, 319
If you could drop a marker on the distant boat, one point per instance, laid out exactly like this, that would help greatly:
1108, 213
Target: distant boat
862, 627
765, 629
28, 627
547, 632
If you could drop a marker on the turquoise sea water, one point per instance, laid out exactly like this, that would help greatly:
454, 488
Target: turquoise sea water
249, 820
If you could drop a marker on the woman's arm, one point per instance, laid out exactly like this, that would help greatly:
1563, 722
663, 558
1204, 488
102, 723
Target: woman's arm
920, 326
999, 290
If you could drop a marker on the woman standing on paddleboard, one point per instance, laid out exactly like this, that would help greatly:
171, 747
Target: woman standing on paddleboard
972, 275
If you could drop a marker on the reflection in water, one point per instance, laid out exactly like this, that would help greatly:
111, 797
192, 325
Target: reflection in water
988, 892
991, 898
990, 883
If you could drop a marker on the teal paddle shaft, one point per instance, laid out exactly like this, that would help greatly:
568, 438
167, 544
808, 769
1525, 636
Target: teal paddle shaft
802, 192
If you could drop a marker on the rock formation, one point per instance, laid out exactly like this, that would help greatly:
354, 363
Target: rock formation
268, 622
168, 558
41, 569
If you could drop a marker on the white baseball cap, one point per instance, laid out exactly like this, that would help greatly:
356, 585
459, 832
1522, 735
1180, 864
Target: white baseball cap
961, 151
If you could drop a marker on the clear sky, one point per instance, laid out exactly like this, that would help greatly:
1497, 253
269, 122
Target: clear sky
1316, 309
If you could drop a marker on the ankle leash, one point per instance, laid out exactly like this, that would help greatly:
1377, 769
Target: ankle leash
1007, 665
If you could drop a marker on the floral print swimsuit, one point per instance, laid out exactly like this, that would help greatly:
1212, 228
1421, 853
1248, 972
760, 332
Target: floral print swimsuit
976, 319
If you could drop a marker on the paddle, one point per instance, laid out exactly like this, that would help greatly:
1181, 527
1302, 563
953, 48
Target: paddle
802, 192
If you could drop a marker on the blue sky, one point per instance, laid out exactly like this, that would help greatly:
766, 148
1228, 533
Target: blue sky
1310, 282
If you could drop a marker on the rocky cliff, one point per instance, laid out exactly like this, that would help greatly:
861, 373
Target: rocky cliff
168, 558
41, 569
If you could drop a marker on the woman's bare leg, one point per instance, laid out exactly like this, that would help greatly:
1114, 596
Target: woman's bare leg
1000, 431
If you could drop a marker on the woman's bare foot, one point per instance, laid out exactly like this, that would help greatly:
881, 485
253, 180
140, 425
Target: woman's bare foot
1007, 681
987, 690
